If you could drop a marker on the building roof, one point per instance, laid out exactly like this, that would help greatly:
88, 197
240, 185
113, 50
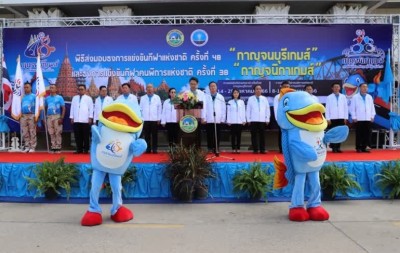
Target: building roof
89, 8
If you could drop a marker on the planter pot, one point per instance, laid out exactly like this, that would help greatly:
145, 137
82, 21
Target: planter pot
183, 191
50, 194
257, 197
327, 194
201, 192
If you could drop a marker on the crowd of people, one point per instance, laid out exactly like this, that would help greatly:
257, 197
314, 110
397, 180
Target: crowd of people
235, 113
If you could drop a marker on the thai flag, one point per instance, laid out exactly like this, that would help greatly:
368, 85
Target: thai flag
6, 88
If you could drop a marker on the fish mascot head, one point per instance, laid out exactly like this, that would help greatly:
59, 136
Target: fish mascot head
122, 116
299, 109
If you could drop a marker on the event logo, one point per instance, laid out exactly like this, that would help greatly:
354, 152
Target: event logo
39, 45
363, 54
188, 124
175, 38
114, 146
199, 37
17, 87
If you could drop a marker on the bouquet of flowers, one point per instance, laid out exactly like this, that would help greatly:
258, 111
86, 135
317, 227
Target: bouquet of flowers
185, 100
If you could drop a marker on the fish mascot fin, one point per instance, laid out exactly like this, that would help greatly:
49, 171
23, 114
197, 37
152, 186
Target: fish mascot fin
280, 180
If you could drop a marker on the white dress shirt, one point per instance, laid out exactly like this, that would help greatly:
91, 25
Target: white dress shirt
218, 105
315, 98
151, 108
236, 112
258, 110
168, 114
81, 109
362, 110
131, 97
98, 106
336, 108
276, 103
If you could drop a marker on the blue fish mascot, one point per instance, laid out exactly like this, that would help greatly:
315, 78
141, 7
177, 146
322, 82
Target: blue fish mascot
115, 141
304, 149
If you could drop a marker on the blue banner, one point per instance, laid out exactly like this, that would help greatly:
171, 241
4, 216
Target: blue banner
231, 55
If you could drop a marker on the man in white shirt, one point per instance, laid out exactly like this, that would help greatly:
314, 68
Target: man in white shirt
363, 114
81, 116
258, 115
126, 93
215, 113
336, 112
309, 88
284, 84
194, 84
101, 101
150, 105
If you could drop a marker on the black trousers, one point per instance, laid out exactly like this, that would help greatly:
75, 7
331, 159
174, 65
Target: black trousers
82, 136
335, 123
210, 130
236, 135
257, 130
280, 139
363, 134
172, 133
150, 133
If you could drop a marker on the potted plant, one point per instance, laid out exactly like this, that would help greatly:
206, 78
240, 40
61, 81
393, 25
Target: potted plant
188, 168
50, 177
335, 179
129, 177
389, 179
256, 181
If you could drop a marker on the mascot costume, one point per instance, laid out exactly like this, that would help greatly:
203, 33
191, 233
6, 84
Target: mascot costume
115, 141
304, 149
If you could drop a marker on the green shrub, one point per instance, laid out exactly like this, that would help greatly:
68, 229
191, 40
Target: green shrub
255, 181
389, 179
334, 179
53, 176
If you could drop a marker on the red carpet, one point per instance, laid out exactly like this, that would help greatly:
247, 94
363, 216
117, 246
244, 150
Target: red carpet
349, 155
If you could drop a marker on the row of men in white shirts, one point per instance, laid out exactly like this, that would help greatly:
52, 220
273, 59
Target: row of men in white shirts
232, 112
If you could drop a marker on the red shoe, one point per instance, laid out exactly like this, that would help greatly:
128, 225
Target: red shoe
298, 214
123, 214
91, 219
318, 213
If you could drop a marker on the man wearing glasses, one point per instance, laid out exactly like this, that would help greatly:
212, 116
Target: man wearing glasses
81, 116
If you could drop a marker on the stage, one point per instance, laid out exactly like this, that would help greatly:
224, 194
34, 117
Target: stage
152, 186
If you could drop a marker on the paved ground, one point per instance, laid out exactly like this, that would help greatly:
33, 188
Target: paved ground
355, 226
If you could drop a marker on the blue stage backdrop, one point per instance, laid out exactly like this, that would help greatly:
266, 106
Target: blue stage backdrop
232, 55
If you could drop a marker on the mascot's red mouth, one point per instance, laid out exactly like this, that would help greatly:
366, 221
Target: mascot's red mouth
311, 118
120, 118
350, 91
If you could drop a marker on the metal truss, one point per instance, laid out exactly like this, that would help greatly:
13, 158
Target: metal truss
201, 19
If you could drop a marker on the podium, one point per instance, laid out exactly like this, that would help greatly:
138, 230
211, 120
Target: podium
189, 121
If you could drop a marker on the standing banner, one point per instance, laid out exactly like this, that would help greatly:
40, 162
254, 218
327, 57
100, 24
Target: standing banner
40, 89
237, 56
18, 92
